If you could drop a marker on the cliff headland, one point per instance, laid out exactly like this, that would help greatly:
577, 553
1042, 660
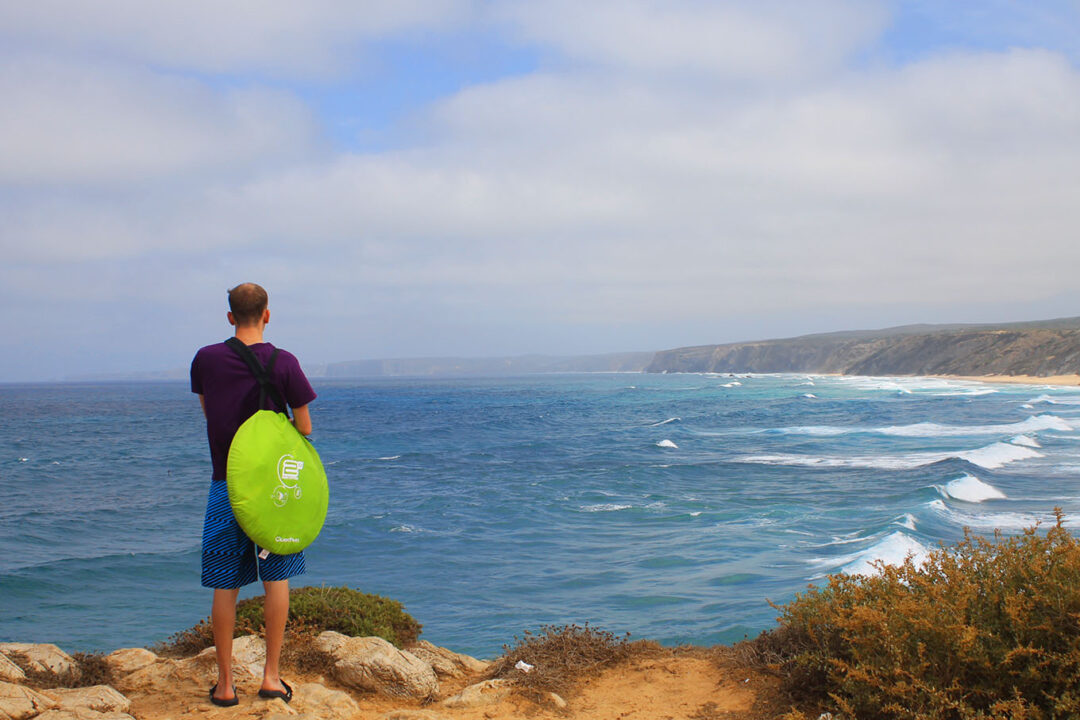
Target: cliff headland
1037, 350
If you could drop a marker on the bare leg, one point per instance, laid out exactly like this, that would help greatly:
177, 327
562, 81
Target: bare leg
223, 621
275, 614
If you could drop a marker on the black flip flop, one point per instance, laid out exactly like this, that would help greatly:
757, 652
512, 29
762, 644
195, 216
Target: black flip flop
271, 694
235, 700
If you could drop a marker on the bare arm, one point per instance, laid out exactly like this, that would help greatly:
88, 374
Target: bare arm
302, 419
202, 401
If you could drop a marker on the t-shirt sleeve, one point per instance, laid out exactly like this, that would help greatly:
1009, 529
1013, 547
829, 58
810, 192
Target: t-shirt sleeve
196, 376
298, 391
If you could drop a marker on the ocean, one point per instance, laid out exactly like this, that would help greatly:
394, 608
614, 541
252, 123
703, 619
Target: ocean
672, 507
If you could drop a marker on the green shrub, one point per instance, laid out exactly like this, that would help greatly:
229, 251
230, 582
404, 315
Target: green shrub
312, 610
984, 629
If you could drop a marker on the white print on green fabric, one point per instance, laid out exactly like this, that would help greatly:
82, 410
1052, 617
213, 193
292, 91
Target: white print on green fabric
288, 468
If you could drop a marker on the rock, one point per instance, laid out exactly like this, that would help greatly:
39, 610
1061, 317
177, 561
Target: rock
128, 660
19, 703
322, 702
411, 715
372, 663
82, 714
100, 698
163, 675
447, 663
248, 656
483, 693
9, 671
43, 657
281, 709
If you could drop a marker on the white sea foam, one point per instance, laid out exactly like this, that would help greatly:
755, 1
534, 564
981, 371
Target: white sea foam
822, 430
1012, 521
667, 444
971, 489
1033, 424
605, 507
1028, 407
809, 395
971, 392
732, 384
906, 520
893, 549
998, 455
1025, 440
695, 513
391, 457
938, 387
665, 422
992, 456
1055, 400
879, 462
403, 528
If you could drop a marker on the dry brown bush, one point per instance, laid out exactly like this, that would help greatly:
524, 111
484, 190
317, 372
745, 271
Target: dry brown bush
984, 629
562, 656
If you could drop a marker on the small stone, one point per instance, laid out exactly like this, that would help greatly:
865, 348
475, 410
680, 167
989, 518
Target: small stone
483, 693
556, 700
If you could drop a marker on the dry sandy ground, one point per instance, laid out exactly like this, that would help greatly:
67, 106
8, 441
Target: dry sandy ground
1019, 379
685, 684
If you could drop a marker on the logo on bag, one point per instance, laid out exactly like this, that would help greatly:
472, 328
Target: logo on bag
288, 472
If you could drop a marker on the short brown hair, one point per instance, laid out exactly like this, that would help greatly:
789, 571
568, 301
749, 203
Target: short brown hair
247, 301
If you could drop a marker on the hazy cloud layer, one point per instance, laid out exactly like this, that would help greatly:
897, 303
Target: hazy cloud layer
671, 173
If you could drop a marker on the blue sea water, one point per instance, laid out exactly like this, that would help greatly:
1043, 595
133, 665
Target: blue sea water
672, 507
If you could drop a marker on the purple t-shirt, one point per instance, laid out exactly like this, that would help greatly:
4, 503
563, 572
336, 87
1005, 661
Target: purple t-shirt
232, 395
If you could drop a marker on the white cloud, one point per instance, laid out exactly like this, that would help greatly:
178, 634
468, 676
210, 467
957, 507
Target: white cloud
315, 37
77, 123
614, 189
763, 39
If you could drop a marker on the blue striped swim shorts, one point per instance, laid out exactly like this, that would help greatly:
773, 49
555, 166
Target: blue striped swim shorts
229, 557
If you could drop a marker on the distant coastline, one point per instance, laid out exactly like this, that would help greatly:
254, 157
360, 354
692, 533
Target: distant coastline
1041, 352
1044, 352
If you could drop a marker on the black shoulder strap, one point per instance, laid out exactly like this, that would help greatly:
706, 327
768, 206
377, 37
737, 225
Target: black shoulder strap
262, 375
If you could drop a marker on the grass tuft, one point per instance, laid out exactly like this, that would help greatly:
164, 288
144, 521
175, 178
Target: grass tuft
312, 610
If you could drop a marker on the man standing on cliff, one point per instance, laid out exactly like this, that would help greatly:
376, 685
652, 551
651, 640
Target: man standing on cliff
229, 395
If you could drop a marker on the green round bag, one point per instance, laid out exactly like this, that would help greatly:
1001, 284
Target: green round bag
277, 485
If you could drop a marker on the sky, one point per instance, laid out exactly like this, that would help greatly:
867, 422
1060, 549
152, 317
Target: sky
503, 177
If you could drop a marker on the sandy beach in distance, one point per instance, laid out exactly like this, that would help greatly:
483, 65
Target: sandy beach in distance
1018, 379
